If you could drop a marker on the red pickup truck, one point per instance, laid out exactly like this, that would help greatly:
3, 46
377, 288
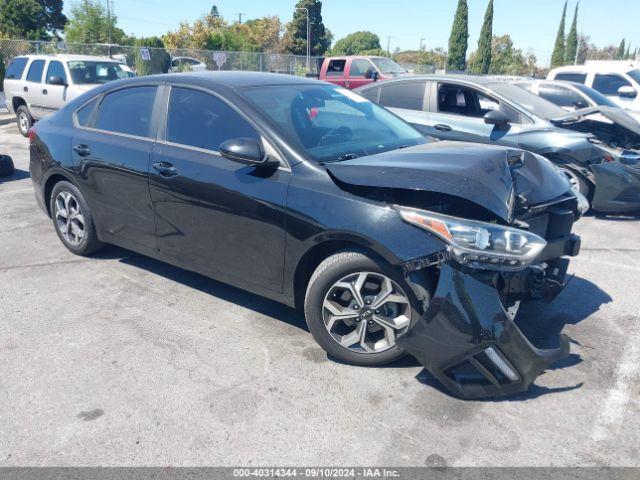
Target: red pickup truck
356, 71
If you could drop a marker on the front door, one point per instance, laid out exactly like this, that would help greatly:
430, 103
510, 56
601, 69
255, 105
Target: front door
214, 215
54, 96
358, 68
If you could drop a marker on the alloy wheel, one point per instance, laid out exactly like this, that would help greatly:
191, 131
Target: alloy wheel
23, 121
69, 218
364, 312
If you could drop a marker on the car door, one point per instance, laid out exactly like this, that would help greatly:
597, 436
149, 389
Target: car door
358, 68
608, 85
457, 113
337, 71
213, 215
54, 95
33, 88
407, 99
111, 148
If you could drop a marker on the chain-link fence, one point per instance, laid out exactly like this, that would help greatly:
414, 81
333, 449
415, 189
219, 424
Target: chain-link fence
148, 61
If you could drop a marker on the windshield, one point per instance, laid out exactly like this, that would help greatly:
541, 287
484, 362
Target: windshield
635, 74
386, 65
331, 123
527, 100
97, 72
595, 95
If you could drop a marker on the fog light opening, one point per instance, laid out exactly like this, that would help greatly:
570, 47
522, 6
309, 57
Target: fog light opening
501, 364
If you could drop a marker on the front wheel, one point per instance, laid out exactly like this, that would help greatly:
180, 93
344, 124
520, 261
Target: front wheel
356, 307
577, 181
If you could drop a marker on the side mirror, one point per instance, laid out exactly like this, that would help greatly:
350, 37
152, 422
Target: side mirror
246, 150
371, 73
496, 117
627, 92
54, 80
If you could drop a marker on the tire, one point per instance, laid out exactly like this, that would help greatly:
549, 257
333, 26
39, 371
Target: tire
24, 120
6, 166
72, 219
325, 288
578, 182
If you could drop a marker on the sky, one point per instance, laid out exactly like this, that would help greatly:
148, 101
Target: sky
532, 24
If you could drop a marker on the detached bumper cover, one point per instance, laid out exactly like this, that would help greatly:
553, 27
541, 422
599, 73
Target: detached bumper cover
468, 342
617, 187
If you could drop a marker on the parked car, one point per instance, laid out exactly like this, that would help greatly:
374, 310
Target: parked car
619, 81
356, 71
594, 155
37, 85
188, 64
570, 96
309, 194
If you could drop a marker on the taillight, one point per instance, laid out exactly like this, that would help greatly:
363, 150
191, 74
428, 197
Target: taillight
32, 134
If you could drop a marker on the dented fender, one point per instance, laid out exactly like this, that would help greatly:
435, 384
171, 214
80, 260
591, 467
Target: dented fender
617, 187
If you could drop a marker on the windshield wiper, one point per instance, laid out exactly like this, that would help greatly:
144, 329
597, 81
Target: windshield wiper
346, 156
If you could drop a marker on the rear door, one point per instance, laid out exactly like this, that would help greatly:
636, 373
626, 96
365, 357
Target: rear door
33, 87
111, 149
214, 215
336, 71
407, 99
54, 96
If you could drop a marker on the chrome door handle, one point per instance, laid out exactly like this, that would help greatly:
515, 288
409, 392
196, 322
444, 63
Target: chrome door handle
442, 127
82, 150
165, 169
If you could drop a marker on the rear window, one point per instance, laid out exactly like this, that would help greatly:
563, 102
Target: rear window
571, 77
16, 68
127, 111
407, 95
35, 71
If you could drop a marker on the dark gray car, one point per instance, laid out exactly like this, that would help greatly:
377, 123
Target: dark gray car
599, 161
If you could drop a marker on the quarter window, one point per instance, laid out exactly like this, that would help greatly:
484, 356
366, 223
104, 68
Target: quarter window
407, 95
83, 115
336, 68
609, 84
198, 119
571, 77
127, 111
35, 71
16, 68
56, 69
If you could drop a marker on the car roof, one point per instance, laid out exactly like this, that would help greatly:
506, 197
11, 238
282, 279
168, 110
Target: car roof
597, 66
468, 79
70, 58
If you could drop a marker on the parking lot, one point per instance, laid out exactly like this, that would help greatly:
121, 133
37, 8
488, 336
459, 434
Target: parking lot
122, 360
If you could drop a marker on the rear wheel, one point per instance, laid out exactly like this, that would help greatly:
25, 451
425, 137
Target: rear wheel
72, 219
24, 119
357, 306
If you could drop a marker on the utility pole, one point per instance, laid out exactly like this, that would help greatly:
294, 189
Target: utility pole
109, 21
308, 35
388, 44
240, 16
421, 40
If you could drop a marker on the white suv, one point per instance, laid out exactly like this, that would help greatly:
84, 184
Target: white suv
37, 85
617, 80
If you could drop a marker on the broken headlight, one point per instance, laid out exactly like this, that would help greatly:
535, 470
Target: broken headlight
478, 244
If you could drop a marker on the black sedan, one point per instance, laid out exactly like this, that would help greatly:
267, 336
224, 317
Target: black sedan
311, 195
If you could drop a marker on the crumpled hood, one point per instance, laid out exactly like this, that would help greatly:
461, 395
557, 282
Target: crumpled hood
478, 173
616, 115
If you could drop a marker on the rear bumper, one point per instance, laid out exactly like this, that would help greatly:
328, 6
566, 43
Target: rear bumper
617, 187
467, 340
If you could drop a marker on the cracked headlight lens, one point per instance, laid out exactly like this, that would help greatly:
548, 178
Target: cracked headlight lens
478, 244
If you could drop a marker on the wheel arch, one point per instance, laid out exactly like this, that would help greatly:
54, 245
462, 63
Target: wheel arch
17, 102
49, 184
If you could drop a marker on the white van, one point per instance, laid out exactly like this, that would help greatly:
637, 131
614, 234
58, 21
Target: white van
37, 85
617, 80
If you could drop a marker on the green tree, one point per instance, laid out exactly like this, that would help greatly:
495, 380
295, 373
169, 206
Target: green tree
483, 54
458, 39
214, 11
557, 57
160, 60
295, 37
627, 55
621, 50
571, 49
356, 43
89, 23
31, 19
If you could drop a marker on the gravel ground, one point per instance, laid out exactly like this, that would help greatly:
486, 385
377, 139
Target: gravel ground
122, 360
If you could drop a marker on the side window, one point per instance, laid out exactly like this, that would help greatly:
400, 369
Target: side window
459, 100
561, 96
56, 69
571, 77
198, 119
359, 68
16, 68
35, 71
127, 111
609, 84
407, 95
83, 115
336, 68
372, 94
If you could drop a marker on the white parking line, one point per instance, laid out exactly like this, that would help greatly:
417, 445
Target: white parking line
612, 415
